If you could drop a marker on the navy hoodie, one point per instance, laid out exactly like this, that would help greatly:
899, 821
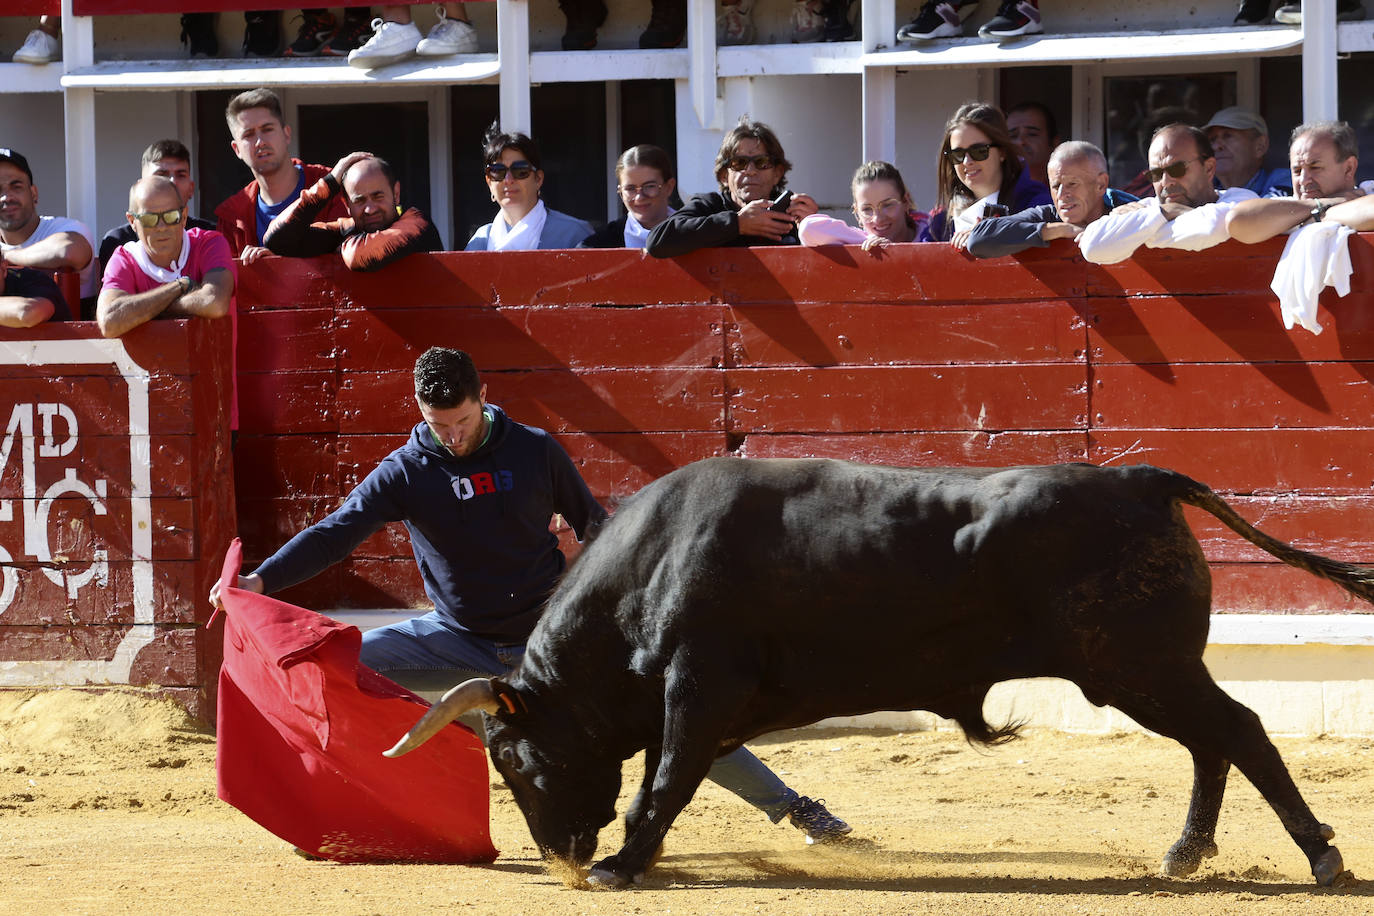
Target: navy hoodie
479, 525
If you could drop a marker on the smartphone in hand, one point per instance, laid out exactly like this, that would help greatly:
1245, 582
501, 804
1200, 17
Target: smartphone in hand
991, 210
781, 203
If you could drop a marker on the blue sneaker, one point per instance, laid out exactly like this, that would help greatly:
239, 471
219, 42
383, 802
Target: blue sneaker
812, 818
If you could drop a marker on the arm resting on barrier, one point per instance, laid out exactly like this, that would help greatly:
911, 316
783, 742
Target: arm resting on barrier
1116, 236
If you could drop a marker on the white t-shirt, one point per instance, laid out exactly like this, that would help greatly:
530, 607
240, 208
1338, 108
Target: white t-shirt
49, 225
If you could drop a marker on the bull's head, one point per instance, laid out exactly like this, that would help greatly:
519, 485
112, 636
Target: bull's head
565, 788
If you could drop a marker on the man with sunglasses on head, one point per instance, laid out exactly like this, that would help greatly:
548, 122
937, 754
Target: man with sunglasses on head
752, 172
170, 271
1187, 211
375, 232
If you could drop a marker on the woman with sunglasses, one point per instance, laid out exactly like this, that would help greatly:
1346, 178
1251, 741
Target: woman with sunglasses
978, 168
514, 178
882, 206
645, 182
751, 207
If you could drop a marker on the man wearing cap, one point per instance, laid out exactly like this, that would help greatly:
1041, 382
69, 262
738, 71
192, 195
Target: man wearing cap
43, 242
1323, 157
1240, 138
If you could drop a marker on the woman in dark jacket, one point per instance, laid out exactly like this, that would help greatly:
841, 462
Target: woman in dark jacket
645, 182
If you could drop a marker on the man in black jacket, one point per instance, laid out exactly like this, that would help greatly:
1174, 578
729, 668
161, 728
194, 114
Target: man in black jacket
1078, 183
752, 172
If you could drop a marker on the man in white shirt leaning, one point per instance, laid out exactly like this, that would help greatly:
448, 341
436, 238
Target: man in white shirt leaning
43, 242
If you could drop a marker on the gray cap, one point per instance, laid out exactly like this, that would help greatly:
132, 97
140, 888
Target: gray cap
1238, 118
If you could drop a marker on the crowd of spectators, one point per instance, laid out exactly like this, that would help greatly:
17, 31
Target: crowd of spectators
1203, 185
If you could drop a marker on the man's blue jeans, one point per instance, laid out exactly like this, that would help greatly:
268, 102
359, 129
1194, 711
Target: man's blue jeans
425, 653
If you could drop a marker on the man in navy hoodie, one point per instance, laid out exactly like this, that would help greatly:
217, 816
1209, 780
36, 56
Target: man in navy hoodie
476, 491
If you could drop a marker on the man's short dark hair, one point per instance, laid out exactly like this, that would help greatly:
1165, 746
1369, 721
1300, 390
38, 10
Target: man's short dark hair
445, 378
253, 98
749, 129
1204, 145
496, 141
166, 149
1051, 125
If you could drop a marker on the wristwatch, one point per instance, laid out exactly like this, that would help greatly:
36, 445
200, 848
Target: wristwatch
185, 283
1319, 211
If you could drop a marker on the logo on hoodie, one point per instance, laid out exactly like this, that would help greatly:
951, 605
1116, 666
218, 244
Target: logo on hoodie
478, 484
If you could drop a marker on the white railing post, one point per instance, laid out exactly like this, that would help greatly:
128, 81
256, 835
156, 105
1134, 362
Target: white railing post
879, 83
1319, 60
701, 72
78, 50
513, 51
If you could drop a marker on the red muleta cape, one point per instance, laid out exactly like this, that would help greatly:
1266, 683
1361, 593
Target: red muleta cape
302, 727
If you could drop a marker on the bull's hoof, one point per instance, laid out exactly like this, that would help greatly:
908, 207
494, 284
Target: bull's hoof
1184, 857
605, 874
1329, 869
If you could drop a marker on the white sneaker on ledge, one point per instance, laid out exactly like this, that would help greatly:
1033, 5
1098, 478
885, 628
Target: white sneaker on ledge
390, 42
449, 36
38, 48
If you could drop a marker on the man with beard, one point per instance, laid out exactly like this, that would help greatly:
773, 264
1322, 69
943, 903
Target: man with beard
1323, 157
170, 271
260, 139
751, 170
375, 232
1186, 212
41, 242
1240, 139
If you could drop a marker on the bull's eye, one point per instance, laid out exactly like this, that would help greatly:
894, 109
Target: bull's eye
508, 756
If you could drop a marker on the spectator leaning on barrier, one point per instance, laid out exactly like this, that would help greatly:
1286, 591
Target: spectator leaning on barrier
1078, 183
644, 179
1323, 157
261, 139
170, 272
752, 171
376, 231
883, 207
1240, 140
43, 242
1186, 212
29, 297
164, 159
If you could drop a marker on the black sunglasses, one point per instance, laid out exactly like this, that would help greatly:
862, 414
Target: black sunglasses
740, 163
1173, 170
977, 152
150, 220
521, 169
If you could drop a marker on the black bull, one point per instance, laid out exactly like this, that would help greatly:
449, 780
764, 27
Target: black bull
737, 597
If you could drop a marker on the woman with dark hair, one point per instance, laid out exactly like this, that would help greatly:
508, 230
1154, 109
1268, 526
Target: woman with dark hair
881, 204
514, 178
644, 179
978, 168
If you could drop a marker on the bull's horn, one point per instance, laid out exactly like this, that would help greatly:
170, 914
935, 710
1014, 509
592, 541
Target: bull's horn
467, 696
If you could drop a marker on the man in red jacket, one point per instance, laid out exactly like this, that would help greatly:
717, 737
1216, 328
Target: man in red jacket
260, 139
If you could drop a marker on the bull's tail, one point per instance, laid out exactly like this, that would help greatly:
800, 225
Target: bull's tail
1358, 580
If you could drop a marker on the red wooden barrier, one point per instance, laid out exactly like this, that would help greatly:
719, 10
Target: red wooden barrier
116, 505
124, 7
33, 8
925, 357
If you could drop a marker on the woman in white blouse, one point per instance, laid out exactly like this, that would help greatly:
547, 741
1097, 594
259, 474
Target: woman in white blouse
514, 177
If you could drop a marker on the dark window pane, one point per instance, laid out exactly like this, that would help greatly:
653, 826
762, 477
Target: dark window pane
396, 131
1137, 105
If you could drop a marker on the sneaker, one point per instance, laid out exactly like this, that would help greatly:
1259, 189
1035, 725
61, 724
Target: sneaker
317, 28
1346, 11
198, 35
583, 17
262, 34
449, 36
735, 24
1253, 12
812, 818
38, 48
808, 23
838, 26
938, 19
349, 37
1016, 17
390, 42
667, 25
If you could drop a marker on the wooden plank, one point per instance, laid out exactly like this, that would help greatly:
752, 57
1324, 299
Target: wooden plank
172, 461
287, 403
170, 659
1272, 588
296, 284
1228, 268
1233, 396
907, 398
1340, 527
266, 524
513, 337
925, 449
100, 401
608, 400
287, 341
1245, 327
832, 334
1314, 461
267, 466
75, 530
179, 595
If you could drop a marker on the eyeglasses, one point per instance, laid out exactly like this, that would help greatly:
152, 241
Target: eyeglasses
740, 163
1173, 169
521, 169
869, 212
150, 220
648, 190
977, 152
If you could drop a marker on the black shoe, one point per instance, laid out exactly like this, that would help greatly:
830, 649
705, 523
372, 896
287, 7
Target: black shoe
317, 28
938, 19
812, 818
262, 34
354, 32
1253, 12
667, 25
584, 18
198, 34
837, 24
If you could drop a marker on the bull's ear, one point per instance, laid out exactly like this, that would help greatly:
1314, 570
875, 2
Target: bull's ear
509, 700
